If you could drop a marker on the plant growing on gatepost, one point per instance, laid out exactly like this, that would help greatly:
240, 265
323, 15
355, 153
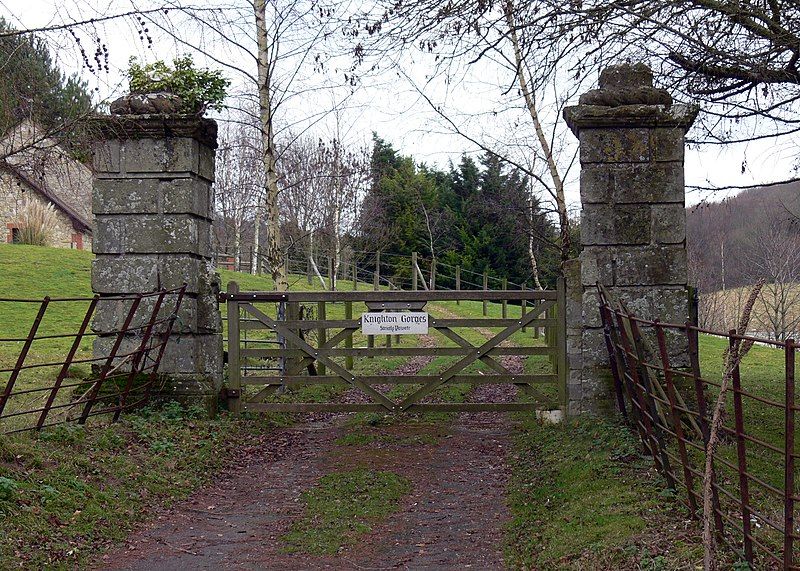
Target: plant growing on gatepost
198, 89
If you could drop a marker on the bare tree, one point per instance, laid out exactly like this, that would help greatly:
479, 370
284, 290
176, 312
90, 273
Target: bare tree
239, 182
322, 184
774, 257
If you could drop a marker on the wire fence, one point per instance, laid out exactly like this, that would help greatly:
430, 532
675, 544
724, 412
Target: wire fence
52, 373
667, 379
394, 271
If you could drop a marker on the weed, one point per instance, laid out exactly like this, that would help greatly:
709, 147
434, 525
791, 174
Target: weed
8, 488
355, 439
63, 434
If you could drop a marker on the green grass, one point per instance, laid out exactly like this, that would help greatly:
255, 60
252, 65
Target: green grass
588, 481
583, 497
68, 492
355, 439
343, 506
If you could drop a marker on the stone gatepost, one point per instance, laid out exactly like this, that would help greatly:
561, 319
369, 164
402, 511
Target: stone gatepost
633, 220
153, 213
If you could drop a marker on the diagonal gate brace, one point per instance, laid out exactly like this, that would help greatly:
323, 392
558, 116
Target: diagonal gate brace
475, 355
312, 352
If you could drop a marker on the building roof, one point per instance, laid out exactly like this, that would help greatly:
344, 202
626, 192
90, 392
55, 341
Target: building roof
79, 222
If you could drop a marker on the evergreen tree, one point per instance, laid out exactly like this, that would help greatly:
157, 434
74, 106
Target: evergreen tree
478, 215
32, 86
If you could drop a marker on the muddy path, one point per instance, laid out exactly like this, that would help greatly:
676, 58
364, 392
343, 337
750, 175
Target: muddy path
453, 518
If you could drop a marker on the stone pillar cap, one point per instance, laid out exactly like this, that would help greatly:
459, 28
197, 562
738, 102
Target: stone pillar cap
626, 98
155, 126
626, 84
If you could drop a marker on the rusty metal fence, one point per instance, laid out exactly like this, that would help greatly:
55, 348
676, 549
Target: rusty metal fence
667, 397
51, 373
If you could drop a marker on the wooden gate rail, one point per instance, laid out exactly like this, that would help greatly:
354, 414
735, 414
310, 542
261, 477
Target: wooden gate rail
303, 363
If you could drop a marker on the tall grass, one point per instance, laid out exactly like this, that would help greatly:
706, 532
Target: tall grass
37, 221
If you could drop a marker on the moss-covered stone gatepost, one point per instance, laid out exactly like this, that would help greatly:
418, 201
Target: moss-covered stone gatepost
633, 220
153, 213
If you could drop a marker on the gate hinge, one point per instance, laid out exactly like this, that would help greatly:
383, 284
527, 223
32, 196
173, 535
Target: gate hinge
230, 394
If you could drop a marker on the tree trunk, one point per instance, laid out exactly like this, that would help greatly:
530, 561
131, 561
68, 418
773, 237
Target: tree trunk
237, 248
534, 264
255, 254
274, 254
530, 103
312, 262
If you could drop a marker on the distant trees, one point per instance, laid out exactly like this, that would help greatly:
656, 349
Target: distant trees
238, 186
33, 88
488, 47
477, 216
736, 243
322, 184
774, 255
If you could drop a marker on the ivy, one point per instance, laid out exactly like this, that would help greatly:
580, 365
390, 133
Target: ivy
199, 89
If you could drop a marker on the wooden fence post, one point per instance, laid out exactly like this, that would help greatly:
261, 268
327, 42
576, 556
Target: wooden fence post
561, 305
458, 282
376, 278
348, 342
308, 272
322, 333
524, 309
234, 370
485, 288
414, 284
331, 277
433, 273
355, 275
504, 302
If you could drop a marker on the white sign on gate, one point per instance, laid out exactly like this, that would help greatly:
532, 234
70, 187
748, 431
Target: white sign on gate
395, 323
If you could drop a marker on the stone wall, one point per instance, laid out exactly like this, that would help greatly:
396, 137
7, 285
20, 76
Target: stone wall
14, 192
153, 214
633, 220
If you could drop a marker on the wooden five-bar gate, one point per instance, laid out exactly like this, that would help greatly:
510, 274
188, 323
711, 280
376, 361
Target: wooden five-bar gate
279, 341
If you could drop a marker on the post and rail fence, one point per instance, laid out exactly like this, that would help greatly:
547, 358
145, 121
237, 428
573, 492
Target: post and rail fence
379, 269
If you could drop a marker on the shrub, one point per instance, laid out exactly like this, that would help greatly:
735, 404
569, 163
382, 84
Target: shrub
199, 89
36, 223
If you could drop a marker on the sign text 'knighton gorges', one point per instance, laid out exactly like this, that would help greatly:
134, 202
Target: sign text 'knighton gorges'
395, 323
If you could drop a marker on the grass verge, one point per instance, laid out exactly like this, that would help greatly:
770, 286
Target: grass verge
583, 497
343, 506
68, 493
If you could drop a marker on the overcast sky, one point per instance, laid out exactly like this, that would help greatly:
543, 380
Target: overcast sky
387, 105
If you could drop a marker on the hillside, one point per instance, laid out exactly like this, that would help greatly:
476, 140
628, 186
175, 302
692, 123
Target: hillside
734, 242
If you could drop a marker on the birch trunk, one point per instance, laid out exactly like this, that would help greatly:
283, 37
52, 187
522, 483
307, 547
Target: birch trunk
312, 262
237, 248
256, 253
534, 264
274, 255
530, 103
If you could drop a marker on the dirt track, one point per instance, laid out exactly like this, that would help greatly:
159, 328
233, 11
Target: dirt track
453, 518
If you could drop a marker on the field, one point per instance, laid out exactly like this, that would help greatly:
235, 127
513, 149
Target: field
777, 310
585, 479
